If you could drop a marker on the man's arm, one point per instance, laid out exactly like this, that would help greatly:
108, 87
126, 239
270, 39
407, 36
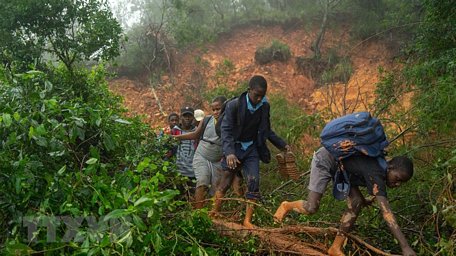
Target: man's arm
192, 135
277, 141
388, 216
271, 135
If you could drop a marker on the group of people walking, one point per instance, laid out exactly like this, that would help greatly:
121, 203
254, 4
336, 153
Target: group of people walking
226, 148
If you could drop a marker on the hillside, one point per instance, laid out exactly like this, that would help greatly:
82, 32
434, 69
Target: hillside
196, 71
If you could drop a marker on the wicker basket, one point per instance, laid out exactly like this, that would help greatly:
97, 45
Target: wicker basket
287, 165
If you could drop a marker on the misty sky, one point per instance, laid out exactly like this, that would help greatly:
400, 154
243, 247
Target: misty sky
122, 11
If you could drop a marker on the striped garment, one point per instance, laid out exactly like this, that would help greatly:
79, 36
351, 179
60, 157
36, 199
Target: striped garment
185, 153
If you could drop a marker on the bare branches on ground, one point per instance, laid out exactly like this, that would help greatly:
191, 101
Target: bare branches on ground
287, 242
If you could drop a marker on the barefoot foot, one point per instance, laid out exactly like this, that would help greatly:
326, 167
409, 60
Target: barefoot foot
335, 252
336, 247
249, 225
281, 212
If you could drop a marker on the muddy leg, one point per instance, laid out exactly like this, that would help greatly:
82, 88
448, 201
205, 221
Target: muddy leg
355, 203
200, 196
248, 215
238, 185
223, 185
285, 207
301, 206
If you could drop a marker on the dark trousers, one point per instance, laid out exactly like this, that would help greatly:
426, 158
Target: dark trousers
250, 168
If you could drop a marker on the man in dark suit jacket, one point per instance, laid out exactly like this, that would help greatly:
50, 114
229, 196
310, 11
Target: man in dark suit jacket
245, 128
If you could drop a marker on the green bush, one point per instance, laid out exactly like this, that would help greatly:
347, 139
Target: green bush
290, 121
326, 70
223, 72
275, 51
76, 164
340, 72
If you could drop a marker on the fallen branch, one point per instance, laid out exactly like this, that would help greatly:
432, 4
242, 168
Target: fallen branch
289, 243
370, 247
284, 243
325, 231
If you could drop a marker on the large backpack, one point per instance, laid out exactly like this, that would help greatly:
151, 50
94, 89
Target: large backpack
353, 134
357, 133
218, 125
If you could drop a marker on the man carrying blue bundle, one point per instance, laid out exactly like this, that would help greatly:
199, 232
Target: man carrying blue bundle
352, 155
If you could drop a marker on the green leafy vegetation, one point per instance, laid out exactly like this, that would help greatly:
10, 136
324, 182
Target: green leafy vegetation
428, 74
68, 161
432, 73
433, 69
59, 155
69, 31
291, 122
78, 177
223, 72
328, 69
275, 51
339, 72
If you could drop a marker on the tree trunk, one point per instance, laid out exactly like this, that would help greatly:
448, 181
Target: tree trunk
316, 45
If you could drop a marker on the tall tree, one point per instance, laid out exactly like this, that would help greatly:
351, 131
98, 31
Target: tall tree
70, 30
327, 6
